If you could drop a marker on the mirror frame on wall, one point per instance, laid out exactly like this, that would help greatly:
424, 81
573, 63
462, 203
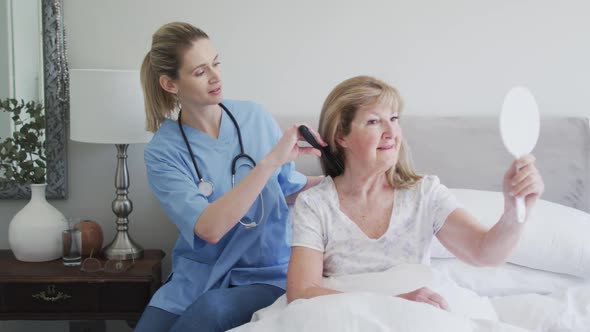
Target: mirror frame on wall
56, 102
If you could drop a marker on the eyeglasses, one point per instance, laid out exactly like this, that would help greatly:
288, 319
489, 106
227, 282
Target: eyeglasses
92, 264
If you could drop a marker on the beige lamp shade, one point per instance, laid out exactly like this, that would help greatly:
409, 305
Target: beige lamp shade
106, 106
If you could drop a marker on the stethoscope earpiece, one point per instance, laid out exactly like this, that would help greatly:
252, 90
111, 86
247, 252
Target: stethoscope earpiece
206, 188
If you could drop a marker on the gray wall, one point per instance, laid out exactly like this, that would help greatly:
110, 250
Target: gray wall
447, 58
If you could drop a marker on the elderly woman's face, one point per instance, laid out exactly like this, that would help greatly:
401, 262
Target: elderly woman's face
374, 139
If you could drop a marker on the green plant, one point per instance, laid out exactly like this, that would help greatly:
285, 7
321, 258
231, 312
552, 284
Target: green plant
22, 156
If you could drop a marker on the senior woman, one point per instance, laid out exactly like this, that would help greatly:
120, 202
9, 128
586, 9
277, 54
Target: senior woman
377, 212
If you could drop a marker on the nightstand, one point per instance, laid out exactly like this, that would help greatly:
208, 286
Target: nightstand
52, 291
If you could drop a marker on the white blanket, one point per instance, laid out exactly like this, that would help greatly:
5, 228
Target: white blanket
566, 310
369, 312
369, 305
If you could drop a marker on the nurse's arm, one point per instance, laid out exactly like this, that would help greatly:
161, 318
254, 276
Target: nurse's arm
311, 181
223, 214
468, 240
304, 278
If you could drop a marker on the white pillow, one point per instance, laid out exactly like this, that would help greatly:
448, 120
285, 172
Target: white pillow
556, 237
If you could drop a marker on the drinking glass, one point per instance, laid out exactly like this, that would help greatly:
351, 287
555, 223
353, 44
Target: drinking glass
71, 247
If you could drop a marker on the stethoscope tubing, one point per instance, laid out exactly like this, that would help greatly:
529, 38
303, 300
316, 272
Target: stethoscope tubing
206, 187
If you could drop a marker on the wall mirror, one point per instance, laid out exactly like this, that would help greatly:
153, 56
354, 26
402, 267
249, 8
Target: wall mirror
36, 70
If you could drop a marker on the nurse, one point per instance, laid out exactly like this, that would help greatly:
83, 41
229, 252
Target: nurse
233, 249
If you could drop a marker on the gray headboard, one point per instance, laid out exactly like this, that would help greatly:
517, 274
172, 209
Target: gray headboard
467, 152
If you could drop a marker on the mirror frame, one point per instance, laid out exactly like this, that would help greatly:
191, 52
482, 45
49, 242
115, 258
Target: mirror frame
57, 104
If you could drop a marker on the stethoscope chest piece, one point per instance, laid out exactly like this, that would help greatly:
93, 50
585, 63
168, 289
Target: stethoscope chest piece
206, 188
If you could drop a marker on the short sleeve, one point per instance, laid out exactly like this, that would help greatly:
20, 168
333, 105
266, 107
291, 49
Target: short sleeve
440, 202
178, 195
307, 226
290, 180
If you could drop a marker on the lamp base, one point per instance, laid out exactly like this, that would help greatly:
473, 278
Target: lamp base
122, 248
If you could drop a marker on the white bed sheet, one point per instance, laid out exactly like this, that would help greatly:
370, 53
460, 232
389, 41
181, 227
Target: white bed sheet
565, 310
507, 279
531, 299
369, 305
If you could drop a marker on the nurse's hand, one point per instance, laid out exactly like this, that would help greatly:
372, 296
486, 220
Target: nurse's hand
527, 183
287, 148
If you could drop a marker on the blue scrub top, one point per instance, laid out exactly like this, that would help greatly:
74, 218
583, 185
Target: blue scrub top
258, 255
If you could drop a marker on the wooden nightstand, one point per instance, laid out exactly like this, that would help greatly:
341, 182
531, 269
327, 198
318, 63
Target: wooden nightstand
52, 291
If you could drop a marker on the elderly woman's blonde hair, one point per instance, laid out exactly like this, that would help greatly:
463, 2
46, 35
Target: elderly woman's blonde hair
340, 109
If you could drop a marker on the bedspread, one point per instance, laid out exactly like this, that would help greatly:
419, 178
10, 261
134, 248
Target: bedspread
368, 304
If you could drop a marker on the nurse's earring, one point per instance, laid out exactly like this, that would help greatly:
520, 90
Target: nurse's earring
177, 103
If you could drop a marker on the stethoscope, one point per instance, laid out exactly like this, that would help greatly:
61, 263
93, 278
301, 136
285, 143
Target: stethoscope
206, 188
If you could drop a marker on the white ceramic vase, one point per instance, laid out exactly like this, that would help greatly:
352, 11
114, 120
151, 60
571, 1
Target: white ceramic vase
34, 234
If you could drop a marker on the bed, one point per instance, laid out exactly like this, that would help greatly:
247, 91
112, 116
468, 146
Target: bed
545, 286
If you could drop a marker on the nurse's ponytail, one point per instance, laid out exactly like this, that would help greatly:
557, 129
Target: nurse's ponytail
164, 58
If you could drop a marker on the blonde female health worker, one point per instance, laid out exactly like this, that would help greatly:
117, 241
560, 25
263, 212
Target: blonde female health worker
223, 172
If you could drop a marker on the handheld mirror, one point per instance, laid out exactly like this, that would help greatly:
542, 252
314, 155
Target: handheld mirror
519, 128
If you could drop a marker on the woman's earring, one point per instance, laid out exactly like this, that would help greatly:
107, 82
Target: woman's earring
177, 103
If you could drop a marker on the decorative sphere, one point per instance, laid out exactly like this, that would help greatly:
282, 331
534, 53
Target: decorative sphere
91, 237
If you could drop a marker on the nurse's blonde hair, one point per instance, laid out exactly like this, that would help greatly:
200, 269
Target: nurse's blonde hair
169, 44
340, 108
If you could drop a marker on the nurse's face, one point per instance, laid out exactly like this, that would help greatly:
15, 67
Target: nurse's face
199, 77
374, 139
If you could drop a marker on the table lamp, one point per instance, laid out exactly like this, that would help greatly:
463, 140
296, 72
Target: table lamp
106, 106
